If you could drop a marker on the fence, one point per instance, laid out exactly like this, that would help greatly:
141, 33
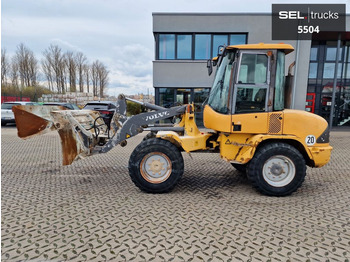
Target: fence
14, 98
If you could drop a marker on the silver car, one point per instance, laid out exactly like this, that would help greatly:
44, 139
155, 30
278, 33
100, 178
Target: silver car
7, 115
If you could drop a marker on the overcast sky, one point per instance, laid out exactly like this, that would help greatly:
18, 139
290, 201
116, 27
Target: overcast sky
117, 32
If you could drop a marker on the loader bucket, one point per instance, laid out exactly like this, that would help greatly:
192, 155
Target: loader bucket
80, 131
34, 120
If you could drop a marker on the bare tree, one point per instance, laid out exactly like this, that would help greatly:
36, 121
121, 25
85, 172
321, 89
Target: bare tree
14, 72
87, 71
72, 70
94, 77
55, 58
27, 65
5, 66
99, 76
80, 60
103, 78
48, 72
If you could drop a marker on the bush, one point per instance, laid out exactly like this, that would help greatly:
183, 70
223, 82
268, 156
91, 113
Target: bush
34, 92
132, 108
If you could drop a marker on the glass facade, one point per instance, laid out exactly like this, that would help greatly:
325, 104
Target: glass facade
321, 80
194, 46
169, 97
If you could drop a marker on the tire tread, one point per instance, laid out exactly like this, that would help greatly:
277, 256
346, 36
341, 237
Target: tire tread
133, 165
253, 168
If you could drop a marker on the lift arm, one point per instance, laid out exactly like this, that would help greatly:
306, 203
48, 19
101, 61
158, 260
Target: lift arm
83, 132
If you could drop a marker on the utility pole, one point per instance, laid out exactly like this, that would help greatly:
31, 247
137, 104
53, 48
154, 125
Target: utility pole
335, 81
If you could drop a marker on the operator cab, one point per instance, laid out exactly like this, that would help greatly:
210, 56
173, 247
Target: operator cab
250, 79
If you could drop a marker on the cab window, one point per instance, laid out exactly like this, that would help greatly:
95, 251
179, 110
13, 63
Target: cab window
252, 83
219, 94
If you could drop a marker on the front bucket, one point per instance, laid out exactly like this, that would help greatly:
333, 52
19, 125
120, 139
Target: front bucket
80, 130
34, 120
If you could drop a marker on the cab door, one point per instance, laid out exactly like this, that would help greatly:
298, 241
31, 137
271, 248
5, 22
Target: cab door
251, 92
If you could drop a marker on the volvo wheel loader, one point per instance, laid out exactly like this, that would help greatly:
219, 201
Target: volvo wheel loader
244, 115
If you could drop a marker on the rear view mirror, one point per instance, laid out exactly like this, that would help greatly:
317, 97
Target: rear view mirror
210, 67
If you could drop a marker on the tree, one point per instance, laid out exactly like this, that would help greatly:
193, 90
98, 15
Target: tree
5, 67
72, 70
80, 60
103, 78
55, 59
94, 77
27, 66
14, 73
87, 71
48, 72
99, 77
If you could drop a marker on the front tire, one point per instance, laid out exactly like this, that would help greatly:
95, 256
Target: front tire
277, 169
242, 168
156, 166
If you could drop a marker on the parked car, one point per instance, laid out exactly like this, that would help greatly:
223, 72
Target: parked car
7, 115
66, 105
106, 109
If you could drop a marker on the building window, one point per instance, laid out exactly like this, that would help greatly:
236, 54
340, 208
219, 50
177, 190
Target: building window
238, 39
313, 53
166, 97
166, 46
184, 46
192, 46
329, 65
218, 40
312, 70
183, 96
313, 62
202, 47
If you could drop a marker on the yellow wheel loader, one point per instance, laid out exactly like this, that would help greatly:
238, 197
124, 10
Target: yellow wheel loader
245, 117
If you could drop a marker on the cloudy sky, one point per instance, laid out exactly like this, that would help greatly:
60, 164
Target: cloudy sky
117, 32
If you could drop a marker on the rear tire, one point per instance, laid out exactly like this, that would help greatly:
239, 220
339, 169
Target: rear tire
277, 169
156, 166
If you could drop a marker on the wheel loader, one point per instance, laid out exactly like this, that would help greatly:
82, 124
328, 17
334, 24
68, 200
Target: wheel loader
245, 116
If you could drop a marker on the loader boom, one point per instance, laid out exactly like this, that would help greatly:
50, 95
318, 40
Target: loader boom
83, 132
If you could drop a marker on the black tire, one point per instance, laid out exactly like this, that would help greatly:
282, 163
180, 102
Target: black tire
3, 123
240, 168
156, 166
277, 169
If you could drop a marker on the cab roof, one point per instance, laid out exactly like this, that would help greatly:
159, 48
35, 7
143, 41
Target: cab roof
281, 46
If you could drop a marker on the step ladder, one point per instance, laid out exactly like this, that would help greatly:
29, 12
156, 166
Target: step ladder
344, 121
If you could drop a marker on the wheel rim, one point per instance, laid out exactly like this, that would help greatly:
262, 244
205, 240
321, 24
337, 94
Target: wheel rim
279, 171
155, 167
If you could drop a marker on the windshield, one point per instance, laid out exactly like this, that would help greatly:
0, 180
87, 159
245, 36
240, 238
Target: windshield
219, 94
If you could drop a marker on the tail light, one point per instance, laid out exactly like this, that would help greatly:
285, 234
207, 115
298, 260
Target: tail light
107, 112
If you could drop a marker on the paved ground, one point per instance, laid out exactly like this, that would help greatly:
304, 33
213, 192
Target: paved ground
92, 211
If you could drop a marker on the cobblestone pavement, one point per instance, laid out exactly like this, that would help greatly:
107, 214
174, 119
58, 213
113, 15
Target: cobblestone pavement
92, 211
